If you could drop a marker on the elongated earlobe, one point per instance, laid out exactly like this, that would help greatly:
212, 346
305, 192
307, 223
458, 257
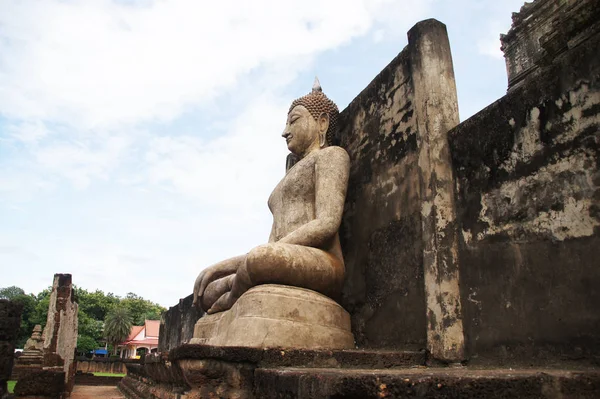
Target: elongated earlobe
322, 139
323, 127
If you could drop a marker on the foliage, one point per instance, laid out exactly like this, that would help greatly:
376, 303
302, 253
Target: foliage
11, 386
90, 331
41, 309
94, 306
27, 316
89, 326
141, 309
86, 344
11, 292
117, 325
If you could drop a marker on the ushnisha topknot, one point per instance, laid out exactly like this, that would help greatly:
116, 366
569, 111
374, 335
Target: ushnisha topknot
317, 103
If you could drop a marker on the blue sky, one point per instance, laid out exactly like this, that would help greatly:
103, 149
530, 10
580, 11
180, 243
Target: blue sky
140, 140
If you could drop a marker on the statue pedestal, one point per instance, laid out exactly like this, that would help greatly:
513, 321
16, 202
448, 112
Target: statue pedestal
269, 316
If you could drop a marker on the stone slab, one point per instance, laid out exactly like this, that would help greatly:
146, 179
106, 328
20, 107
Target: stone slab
270, 315
43, 383
95, 392
272, 357
425, 382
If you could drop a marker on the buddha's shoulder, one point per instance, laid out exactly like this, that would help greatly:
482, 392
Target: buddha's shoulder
334, 153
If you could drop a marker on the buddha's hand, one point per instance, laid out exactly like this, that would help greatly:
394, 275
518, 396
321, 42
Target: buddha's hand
211, 274
204, 278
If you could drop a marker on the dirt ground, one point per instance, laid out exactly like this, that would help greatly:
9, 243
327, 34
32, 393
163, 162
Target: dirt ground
93, 392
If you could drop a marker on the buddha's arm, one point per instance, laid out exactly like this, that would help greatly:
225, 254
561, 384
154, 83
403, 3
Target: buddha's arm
272, 235
331, 182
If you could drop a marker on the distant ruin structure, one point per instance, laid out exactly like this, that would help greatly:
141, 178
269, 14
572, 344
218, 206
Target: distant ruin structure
56, 376
32, 357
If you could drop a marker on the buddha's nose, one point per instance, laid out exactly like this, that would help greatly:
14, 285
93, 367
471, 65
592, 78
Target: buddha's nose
285, 133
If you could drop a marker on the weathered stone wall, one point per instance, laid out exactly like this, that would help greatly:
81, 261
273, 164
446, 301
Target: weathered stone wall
10, 323
400, 176
528, 200
381, 228
177, 324
103, 365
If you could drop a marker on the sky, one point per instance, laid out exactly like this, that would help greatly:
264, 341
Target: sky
140, 139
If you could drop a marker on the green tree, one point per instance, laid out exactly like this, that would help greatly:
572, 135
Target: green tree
95, 304
90, 332
40, 313
27, 323
85, 344
29, 303
142, 309
117, 326
11, 292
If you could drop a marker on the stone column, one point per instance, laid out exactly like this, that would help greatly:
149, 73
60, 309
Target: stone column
60, 332
436, 107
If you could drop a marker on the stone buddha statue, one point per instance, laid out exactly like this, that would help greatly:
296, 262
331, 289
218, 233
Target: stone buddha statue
303, 250
307, 204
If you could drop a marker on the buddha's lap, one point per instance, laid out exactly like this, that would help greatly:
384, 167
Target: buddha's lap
292, 264
286, 264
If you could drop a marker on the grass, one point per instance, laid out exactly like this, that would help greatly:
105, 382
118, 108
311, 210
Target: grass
109, 374
11, 386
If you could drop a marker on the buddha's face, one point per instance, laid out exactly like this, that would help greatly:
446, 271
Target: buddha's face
301, 131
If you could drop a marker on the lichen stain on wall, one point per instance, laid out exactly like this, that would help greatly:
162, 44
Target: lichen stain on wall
558, 200
555, 202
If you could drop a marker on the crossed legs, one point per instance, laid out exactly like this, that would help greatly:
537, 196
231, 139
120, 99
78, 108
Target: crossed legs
276, 263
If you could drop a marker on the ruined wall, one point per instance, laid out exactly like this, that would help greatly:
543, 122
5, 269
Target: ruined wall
177, 324
528, 200
57, 375
60, 332
380, 233
10, 323
104, 365
389, 131
544, 29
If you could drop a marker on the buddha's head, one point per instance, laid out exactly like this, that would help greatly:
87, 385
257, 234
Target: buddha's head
312, 122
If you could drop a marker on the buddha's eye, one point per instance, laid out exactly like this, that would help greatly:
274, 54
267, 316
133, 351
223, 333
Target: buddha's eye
294, 119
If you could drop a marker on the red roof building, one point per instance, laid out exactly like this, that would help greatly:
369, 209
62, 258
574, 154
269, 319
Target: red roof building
141, 338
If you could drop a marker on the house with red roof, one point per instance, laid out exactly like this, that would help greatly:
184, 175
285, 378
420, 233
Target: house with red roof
141, 339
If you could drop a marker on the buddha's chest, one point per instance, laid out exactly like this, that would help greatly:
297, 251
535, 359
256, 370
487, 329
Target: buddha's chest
297, 188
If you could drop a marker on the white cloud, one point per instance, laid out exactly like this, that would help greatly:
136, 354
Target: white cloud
236, 170
98, 63
78, 162
96, 69
29, 132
